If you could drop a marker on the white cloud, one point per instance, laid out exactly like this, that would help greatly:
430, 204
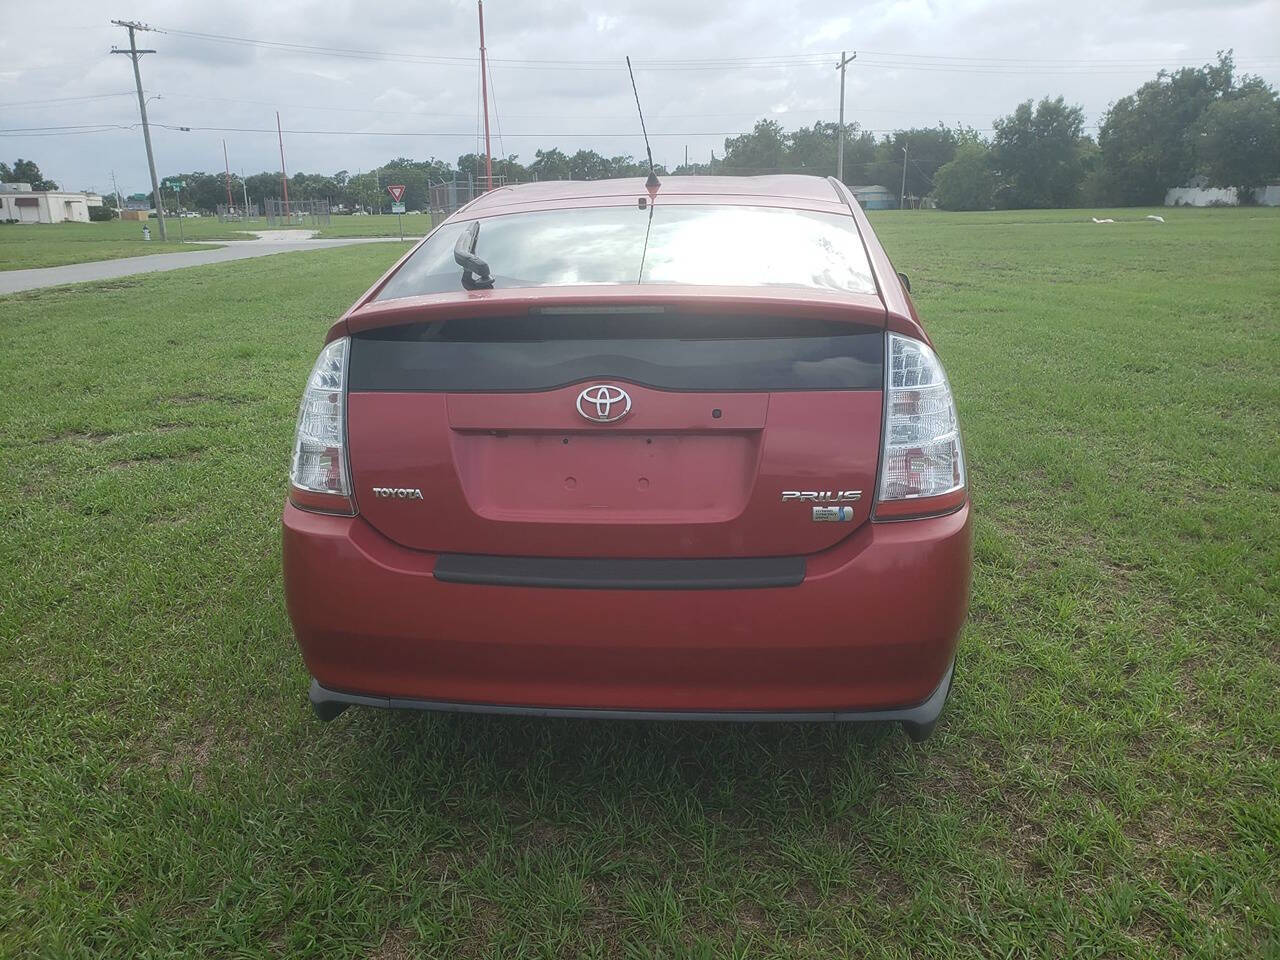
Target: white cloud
220, 84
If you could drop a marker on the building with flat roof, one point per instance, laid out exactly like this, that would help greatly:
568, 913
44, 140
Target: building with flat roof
872, 196
18, 202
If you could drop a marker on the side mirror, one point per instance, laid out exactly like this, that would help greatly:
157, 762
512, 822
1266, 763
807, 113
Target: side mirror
906, 281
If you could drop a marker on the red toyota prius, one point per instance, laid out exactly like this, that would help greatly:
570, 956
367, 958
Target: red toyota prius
610, 449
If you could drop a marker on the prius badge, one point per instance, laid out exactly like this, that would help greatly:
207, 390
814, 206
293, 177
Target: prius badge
824, 510
604, 403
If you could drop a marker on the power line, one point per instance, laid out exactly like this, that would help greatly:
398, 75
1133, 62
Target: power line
445, 133
950, 63
105, 128
438, 133
95, 96
72, 126
1033, 60
819, 111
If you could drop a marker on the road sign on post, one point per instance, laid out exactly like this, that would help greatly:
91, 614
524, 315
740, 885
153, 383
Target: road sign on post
397, 194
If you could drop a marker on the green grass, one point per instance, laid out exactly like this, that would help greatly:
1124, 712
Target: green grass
1104, 782
382, 225
26, 246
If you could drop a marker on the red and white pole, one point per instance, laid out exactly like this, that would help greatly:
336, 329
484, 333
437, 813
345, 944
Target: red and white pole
226, 164
284, 175
484, 95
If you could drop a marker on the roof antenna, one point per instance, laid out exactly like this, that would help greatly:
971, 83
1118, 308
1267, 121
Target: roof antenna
653, 180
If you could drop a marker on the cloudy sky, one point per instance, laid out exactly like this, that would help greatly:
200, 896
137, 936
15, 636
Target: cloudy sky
357, 84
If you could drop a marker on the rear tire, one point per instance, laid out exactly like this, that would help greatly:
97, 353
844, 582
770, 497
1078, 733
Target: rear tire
328, 710
919, 732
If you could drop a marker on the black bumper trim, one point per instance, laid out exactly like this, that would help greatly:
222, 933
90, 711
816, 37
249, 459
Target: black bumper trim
622, 573
918, 720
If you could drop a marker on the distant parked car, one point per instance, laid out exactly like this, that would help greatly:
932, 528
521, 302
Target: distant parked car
599, 449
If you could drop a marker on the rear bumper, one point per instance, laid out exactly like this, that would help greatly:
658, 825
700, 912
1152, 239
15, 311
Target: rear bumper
919, 719
869, 634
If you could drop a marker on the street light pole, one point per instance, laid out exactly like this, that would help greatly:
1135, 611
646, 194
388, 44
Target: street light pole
902, 194
844, 62
134, 53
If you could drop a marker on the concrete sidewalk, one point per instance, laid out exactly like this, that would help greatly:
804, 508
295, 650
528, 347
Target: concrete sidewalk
14, 281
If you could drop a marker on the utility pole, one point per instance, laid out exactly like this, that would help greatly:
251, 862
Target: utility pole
902, 194
116, 187
244, 185
284, 176
484, 93
227, 166
134, 53
844, 62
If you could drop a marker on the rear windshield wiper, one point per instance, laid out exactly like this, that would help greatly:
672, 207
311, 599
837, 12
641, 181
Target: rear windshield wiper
475, 272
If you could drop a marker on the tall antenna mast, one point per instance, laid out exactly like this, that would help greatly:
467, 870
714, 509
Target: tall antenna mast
653, 180
227, 165
484, 94
284, 174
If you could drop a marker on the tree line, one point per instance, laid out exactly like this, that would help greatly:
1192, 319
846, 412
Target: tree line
367, 190
1194, 122
1182, 124
1190, 122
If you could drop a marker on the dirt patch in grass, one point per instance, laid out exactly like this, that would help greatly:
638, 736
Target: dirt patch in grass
394, 946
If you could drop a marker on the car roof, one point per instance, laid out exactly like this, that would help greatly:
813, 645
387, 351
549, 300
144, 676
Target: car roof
779, 190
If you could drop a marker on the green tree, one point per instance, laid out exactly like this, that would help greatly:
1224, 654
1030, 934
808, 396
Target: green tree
813, 150
1143, 137
506, 169
764, 150
263, 186
922, 150
25, 171
967, 182
1038, 153
550, 165
1237, 141
589, 165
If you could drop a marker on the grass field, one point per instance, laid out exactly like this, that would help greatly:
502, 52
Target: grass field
26, 246
384, 225
1105, 781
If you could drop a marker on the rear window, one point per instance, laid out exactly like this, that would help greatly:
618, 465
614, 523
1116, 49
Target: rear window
729, 245
665, 351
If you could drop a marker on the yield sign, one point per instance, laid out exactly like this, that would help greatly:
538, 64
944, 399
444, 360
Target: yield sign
396, 190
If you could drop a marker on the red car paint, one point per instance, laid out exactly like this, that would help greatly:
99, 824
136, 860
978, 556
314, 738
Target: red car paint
688, 474
873, 625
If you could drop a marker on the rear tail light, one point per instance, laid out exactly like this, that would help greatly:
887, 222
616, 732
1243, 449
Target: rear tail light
922, 463
319, 478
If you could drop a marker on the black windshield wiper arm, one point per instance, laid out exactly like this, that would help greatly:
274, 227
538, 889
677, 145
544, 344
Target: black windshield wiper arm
475, 272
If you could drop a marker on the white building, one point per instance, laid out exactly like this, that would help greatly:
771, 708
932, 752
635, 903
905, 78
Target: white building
19, 202
872, 196
1198, 193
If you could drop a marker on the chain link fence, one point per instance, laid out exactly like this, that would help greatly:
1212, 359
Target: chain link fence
238, 214
297, 213
446, 197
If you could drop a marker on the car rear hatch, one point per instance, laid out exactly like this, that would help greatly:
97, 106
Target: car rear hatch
727, 427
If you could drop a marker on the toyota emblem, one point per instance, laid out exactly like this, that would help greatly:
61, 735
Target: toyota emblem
604, 403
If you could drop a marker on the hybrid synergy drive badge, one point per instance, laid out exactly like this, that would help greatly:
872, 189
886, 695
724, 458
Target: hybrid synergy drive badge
825, 514
832, 514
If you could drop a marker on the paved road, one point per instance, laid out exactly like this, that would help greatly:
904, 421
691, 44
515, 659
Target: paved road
12, 281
